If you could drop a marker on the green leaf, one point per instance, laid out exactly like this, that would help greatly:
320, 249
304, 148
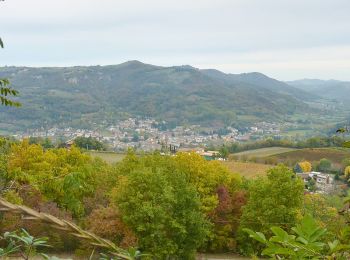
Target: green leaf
280, 234
256, 235
333, 245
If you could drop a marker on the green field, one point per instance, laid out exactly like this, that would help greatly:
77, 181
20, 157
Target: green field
109, 157
263, 152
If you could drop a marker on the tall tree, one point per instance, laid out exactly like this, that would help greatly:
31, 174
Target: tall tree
324, 165
274, 200
163, 210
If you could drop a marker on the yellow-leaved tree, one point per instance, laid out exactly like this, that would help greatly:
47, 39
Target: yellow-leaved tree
347, 172
63, 176
305, 166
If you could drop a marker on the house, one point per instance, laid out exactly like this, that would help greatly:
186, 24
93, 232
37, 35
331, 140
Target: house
210, 155
174, 147
323, 179
324, 182
69, 144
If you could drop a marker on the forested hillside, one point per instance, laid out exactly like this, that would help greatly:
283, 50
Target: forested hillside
74, 95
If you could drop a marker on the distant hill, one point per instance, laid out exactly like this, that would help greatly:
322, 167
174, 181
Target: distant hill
83, 96
260, 81
330, 89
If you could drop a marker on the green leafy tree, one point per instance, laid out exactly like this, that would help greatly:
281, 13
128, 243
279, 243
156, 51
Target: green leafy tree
324, 165
89, 143
345, 162
320, 208
44, 142
274, 200
218, 190
6, 90
224, 152
311, 184
163, 210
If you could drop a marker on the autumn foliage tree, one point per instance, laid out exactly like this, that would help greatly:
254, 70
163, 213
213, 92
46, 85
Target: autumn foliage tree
347, 172
303, 166
226, 218
107, 223
61, 175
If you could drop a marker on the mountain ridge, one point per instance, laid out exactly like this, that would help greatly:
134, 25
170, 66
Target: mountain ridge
178, 94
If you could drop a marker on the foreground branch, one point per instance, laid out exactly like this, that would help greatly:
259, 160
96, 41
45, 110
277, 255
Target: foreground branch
96, 241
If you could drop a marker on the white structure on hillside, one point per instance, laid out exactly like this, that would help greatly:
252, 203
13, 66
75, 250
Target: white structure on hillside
324, 182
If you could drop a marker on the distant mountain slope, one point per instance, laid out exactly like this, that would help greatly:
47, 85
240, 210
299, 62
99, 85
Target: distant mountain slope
181, 94
260, 81
331, 89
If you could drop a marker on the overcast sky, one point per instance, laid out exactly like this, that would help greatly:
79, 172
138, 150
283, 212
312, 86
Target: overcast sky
285, 39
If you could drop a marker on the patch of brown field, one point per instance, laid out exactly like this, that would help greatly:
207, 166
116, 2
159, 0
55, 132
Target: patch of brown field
248, 169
